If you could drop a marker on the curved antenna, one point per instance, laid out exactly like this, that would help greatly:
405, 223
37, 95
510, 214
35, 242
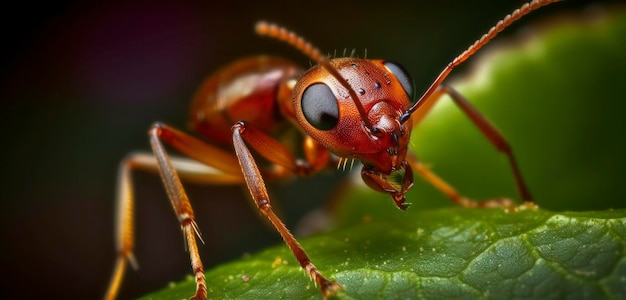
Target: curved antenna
283, 34
501, 25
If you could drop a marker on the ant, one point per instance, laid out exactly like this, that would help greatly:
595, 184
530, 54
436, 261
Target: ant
353, 108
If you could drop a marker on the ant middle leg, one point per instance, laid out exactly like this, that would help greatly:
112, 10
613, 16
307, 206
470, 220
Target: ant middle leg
208, 165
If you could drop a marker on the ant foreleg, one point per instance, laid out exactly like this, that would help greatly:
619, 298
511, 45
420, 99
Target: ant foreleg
259, 194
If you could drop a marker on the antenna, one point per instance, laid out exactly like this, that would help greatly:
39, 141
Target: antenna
501, 25
283, 34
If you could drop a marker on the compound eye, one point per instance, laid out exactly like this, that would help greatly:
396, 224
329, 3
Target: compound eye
320, 107
403, 76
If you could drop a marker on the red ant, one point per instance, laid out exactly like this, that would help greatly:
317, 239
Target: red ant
353, 108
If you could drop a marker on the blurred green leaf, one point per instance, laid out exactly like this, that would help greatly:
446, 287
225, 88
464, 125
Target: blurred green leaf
558, 100
555, 94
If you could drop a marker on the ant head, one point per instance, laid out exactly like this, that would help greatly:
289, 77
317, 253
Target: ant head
355, 108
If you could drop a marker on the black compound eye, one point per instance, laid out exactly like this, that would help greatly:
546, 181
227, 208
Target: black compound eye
320, 107
403, 76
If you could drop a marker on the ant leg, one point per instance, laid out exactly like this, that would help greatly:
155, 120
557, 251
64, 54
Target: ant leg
259, 194
488, 130
197, 149
449, 191
124, 232
493, 135
208, 164
180, 202
211, 171
316, 156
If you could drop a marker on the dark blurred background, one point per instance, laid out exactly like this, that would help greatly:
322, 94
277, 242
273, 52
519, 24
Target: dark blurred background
81, 84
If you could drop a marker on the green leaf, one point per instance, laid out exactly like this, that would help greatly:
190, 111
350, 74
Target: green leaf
441, 254
558, 99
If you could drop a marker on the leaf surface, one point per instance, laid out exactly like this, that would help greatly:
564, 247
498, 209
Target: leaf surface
442, 254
